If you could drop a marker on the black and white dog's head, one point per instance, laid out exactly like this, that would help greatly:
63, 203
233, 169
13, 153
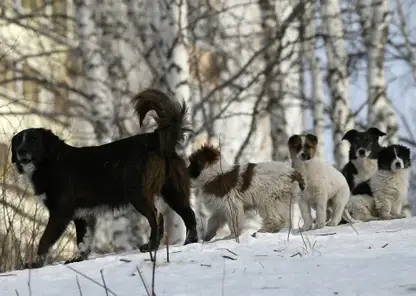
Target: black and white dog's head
31, 147
394, 158
363, 144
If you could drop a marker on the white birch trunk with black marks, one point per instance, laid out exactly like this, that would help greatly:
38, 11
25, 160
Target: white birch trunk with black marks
314, 64
169, 20
101, 27
95, 71
375, 19
282, 73
337, 78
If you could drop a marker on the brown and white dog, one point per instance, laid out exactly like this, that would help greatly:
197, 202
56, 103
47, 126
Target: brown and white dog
231, 190
323, 183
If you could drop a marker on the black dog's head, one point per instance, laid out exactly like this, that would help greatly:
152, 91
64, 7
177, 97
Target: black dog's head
30, 147
302, 147
363, 144
394, 158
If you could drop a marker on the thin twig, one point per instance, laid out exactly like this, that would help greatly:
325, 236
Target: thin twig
29, 282
143, 281
229, 251
89, 278
167, 247
78, 285
105, 285
223, 280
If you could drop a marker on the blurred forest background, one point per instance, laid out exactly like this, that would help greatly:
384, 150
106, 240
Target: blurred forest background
252, 72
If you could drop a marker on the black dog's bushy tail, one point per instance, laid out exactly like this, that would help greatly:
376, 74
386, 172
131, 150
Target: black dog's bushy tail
171, 117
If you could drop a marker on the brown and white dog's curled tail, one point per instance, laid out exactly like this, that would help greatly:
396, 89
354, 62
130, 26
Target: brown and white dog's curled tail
295, 176
171, 117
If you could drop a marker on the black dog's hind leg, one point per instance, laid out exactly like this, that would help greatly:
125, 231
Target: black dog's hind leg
146, 208
179, 202
85, 229
54, 229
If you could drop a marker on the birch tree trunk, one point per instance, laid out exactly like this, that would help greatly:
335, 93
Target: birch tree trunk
337, 77
314, 64
95, 72
101, 26
169, 21
374, 19
273, 80
282, 72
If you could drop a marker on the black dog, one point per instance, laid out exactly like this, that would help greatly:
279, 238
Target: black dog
76, 184
362, 156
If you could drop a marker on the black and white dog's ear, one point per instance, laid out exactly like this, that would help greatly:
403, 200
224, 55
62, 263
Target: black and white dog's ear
376, 132
350, 136
16, 140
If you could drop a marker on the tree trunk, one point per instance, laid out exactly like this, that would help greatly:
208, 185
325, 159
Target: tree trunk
374, 19
314, 64
337, 78
169, 22
95, 72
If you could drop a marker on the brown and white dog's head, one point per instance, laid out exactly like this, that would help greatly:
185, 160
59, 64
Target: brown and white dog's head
205, 157
302, 147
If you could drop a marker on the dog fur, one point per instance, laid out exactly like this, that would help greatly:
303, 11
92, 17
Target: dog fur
324, 183
76, 184
228, 191
364, 149
383, 195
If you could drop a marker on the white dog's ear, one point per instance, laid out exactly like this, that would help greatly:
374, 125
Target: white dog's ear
350, 135
376, 132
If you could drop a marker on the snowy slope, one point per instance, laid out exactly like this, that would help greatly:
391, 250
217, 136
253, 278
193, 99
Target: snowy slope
380, 260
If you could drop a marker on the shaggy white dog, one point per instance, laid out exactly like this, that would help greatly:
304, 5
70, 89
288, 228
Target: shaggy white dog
228, 191
325, 185
385, 193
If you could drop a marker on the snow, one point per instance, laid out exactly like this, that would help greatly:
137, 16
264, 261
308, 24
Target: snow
379, 260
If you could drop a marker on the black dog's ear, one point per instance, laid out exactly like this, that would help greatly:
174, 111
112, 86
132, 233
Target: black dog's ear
375, 132
350, 135
16, 139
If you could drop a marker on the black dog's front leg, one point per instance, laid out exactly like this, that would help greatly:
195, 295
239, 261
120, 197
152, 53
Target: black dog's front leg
54, 229
85, 230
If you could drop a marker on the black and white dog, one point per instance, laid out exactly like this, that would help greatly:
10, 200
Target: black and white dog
385, 193
76, 184
362, 156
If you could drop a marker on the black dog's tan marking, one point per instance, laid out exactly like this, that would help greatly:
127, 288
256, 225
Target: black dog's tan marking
78, 183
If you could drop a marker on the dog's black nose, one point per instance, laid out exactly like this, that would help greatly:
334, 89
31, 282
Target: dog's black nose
398, 165
361, 152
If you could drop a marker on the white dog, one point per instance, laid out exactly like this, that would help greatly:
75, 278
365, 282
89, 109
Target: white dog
385, 193
228, 191
324, 184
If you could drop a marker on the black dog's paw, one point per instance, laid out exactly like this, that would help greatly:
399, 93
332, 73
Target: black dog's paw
147, 248
76, 258
191, 238
37, 263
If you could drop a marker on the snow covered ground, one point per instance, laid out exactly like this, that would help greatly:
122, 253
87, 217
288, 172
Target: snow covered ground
380, 260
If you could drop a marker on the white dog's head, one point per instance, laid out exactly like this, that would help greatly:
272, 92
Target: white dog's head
302, 147
205, 157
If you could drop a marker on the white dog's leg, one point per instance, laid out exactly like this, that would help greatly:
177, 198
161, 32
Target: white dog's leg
305, 210
396, 210
321, 202
215, 222
339, 201
384, 208
235, 217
